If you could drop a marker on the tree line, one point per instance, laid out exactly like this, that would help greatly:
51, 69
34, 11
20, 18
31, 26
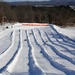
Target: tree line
59, 15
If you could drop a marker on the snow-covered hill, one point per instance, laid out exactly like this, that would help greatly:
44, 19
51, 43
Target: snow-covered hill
37, 50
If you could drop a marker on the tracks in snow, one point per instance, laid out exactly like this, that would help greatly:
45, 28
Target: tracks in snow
20, 62
8, 56
45, 65
34, 67
51, 56
38, 52
5, 42
67, 50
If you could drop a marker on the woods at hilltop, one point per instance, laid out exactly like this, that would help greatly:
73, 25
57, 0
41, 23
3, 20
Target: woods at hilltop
7, 13
60, 15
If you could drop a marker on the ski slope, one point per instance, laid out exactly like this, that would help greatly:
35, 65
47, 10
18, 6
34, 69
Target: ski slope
37, 50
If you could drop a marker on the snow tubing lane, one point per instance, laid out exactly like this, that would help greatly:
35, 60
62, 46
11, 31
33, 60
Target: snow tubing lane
33, 69
3, 69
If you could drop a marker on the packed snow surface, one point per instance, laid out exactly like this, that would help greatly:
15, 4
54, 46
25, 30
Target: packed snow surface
37, 49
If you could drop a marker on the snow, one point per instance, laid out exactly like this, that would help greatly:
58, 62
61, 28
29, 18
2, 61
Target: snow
37, 50
7, 39
68, 31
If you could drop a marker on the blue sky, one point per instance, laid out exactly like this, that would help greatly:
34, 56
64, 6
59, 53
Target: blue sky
24, 0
